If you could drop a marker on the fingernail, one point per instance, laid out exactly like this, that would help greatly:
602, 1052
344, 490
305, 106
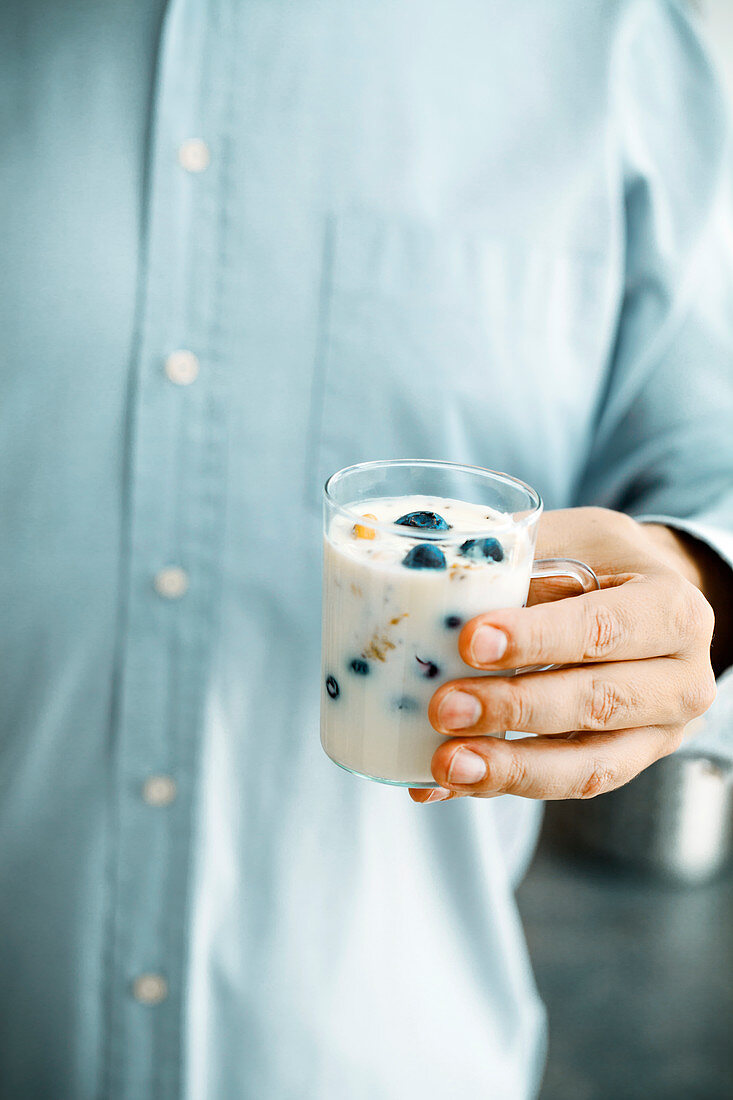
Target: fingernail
458, 710
438, 795
488, 645
466, 767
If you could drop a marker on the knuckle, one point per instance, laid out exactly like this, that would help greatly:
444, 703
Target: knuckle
601, 779
604, 634
702, 616
675, 737
699, 695
710, 691
624, 526
692, 615
603, 705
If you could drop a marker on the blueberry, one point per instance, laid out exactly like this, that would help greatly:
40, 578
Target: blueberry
453, 622
424, 556
482, 550
407, 703
428, 669
332, 687
359, 666
428, 521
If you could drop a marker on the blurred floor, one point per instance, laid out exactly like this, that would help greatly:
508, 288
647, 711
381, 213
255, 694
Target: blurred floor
637, 976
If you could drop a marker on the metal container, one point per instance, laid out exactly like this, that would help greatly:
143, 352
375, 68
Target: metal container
675, 819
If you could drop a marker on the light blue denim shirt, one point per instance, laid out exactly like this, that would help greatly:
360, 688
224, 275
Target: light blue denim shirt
244, 243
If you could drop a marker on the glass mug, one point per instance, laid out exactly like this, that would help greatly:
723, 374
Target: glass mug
412, 550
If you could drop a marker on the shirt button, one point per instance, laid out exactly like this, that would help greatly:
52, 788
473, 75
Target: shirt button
182, 367
150, 989
194, 155
171, 583
159, 790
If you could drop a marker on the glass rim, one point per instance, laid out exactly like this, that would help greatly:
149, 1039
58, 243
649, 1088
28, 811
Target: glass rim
511, 524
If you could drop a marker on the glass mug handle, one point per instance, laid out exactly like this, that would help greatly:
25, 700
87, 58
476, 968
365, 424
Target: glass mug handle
546, 569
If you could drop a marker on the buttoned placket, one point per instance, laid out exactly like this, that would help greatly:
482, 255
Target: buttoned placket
176, 485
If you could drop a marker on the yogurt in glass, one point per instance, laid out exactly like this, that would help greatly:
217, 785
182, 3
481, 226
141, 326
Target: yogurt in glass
394, 605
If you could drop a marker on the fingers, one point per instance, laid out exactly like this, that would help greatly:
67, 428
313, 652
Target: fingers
437, 794
580, 766
646, 616
660, 692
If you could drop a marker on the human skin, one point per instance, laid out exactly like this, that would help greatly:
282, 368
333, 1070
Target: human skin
638, 666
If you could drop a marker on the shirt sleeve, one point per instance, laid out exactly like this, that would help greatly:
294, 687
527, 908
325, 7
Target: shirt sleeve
663, 444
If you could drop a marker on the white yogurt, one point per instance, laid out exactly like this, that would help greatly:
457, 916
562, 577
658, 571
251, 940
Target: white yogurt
390, 633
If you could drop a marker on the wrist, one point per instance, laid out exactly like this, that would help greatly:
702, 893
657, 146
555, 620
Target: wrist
680, 552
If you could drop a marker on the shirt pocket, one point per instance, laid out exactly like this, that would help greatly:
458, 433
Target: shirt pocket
442, 343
